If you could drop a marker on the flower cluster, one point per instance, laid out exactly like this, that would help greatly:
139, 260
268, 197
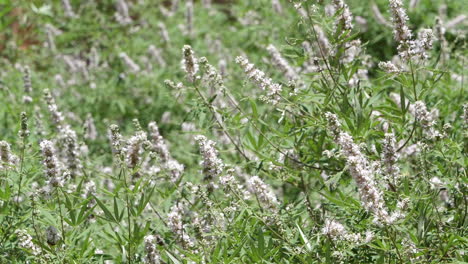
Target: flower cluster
133, 152
390, 158
259, 77
189, 63
175, 223
25, 241
52, 168
68, 8
389, 67
345, 19
7, 159
281, 63
161, 148
337, 232
263, 192
152, 254
27, 85
57, 116
69, 142
116, 140
212, 165
122, 16
131, 65
401, 31
361, 171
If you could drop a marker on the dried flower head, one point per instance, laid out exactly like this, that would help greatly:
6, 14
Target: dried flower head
52, 235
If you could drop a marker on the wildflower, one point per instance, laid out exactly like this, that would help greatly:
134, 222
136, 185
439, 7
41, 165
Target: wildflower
52, 168
164, 33
189, 62
258, 77
263, 193
435, 183
155, 53
25, 241
275, 4
68, 9
175, 6
399, 18
230, 183
131, 65
212, 74
175, 223
57, 116
345, 19
352, 50
94, 58
89, 193
389, 67
24, 132
175, 168
334, 230
362, 23
323, 42
52, 235
122, 15
133, 152
69, 142
212, 165
390, 158
152, 254
115, 139
421, 45
379, 17
160, 147
281, 63
425, 118
27, 85
222, 65
413, 4
7, 159
50, 39
361, 171
90, 128
60, 81
454, 22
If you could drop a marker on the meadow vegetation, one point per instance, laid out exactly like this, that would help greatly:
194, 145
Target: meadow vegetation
248, 131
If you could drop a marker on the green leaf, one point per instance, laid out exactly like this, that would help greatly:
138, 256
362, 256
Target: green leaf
305, 240
107, 212
173, 259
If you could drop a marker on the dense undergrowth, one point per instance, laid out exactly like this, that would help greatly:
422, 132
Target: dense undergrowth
233, 132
